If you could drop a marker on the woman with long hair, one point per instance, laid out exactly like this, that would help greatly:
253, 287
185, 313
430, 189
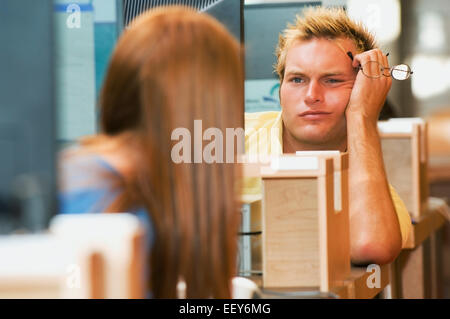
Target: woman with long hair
172, 66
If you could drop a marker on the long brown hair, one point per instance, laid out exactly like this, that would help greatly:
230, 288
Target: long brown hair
170, 67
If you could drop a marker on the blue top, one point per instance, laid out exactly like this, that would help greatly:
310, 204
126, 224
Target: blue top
85, 186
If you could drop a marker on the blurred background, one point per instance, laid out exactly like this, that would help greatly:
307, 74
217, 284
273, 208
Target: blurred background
55, 53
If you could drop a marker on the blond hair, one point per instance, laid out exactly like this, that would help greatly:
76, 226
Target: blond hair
320, 22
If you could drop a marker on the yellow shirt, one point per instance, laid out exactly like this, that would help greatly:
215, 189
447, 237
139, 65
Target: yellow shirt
266, 129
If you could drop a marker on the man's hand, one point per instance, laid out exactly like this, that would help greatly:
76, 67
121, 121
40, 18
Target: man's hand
369, 94
374, 228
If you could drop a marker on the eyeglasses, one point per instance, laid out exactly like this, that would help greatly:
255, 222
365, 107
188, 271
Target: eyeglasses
374, 70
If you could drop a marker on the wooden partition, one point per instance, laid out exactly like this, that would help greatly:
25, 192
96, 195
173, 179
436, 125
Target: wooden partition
305, 232
415, 273
120, 241
418, 267
81, 256
44, 266
405, 154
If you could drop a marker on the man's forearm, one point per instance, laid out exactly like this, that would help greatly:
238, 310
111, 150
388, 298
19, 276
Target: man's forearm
374, 228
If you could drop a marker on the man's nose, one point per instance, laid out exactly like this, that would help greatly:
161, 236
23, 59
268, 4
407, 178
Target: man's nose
314, 93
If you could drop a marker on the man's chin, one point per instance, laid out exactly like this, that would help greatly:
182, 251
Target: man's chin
319, 136
313, 139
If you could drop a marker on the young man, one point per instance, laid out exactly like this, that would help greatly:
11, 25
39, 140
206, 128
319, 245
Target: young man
328, 103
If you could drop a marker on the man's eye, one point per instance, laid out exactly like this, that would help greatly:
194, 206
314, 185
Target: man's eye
333, 81
297, 80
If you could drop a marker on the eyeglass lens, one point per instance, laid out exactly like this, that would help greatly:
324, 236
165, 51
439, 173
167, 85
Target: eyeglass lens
401, 72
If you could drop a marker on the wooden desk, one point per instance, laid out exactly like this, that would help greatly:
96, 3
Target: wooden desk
353, 287
357, 287
415, 273
427, 224
439, 168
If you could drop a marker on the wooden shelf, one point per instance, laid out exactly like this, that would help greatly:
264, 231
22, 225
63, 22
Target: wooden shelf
357, 282
429, 222
354, 287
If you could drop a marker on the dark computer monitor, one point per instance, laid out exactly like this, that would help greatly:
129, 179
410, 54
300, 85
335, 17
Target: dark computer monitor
228, 12
263, 24
27, 139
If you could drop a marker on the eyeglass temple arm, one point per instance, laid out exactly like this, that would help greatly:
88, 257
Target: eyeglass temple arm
350, 55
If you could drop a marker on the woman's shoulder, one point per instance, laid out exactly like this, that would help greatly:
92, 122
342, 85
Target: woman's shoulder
85, 179
78, 165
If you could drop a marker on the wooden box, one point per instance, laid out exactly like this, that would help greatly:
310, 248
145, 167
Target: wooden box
305, 231
120, 240
81, 256
43, 266
405, 154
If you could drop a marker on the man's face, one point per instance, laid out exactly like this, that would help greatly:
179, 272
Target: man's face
316, 88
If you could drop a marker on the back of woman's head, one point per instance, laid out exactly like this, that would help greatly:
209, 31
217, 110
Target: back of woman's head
172, 59
170, 67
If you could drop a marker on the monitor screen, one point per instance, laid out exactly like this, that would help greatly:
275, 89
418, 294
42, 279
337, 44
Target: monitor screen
228, 12
27, 175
